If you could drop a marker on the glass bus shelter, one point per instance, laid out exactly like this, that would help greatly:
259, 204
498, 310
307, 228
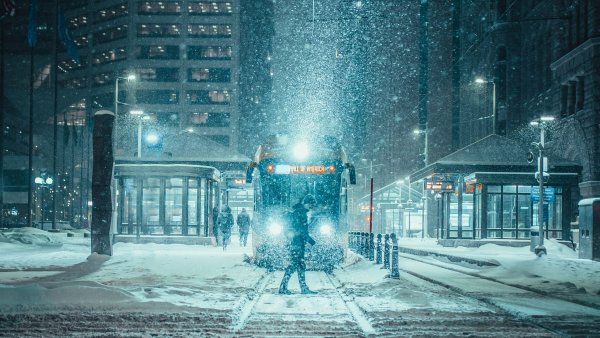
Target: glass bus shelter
165, 198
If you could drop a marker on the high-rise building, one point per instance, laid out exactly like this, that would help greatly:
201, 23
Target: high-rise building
184, 56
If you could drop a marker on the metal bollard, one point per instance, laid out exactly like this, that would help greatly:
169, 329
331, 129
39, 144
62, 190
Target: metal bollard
365, 245
361, 240
386, 252
395, 270
371, 246
378, 259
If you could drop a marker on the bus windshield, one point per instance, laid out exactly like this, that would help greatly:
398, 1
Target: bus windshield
287, 190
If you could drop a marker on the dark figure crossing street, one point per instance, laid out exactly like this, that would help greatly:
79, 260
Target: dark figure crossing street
243, 222
298, 236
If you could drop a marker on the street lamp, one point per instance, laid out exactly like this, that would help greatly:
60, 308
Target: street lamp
540, 176
44, 181
129, 78
480, 80
425, 134
141, 117
371, 198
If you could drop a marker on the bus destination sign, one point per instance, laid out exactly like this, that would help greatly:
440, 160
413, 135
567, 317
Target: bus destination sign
303, 169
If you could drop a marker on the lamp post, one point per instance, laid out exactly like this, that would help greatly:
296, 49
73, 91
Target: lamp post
540, 175
130, 77
140, 114
480, 80
44, 181
423, 131
371, 198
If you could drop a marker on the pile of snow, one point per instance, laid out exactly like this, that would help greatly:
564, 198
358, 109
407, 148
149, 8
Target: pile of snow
31, 236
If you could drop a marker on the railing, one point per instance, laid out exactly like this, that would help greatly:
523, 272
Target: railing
363, 243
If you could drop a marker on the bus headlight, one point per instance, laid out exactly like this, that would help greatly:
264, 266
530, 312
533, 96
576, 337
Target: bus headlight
325, 229
301, 151
275, 228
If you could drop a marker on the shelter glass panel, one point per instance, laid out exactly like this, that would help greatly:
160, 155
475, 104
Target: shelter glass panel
151, 206
467, 216
129, 209
173, 205
493, 215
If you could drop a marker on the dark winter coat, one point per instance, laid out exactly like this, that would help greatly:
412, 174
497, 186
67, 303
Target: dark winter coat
226, 222
298, 228
243, 222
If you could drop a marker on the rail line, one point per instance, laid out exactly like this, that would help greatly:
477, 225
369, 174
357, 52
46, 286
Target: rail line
537, 321
522, 287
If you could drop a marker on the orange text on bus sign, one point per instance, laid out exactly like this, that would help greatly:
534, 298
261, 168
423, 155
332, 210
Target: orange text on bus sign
307, 169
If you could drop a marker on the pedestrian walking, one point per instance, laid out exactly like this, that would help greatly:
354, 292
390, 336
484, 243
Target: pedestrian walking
215, 220
243, 222
298, 234
226, 223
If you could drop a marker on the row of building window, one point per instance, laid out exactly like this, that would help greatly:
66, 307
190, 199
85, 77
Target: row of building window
155, 30
195, 119
193, 30
192, 97
193, 52
154, 8
215, 75
151, 52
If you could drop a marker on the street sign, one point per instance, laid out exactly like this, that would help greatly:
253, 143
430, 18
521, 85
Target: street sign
443, 186
549, 195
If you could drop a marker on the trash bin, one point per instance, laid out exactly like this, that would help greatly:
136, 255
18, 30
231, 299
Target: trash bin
534, 236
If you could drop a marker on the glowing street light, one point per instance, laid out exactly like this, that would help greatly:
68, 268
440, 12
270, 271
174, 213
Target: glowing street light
481, 80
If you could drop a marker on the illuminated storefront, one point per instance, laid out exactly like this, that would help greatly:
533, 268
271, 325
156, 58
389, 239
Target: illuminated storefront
488, 190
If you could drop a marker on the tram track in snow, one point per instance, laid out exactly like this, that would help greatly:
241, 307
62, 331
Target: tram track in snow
331, 294
555, 325
522, 287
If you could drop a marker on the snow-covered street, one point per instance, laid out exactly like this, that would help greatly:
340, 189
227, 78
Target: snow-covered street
51, 286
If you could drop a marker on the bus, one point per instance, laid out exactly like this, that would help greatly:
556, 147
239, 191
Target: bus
285, 170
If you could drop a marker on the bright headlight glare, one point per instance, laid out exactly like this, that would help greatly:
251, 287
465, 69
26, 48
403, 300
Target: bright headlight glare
325, 229
301, 151
275, 228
